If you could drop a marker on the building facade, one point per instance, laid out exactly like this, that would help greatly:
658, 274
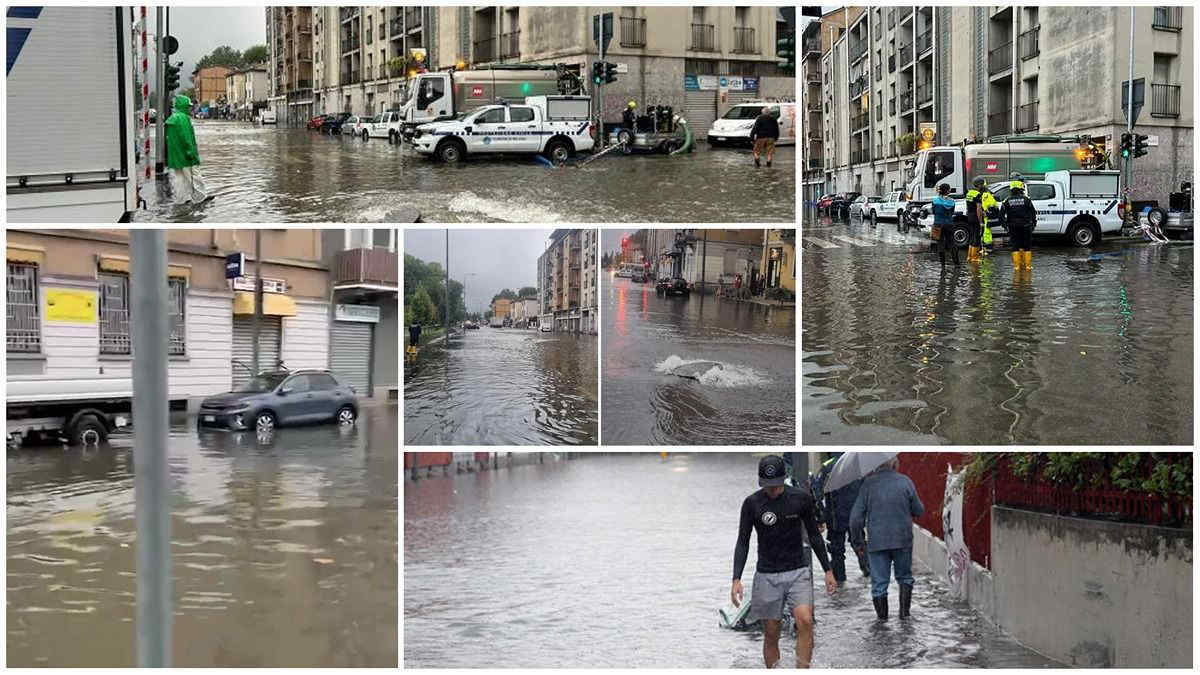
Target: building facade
364, 322
778, 265
568, 281
290, 63
210, 85
699, 60
70, 311
971, 73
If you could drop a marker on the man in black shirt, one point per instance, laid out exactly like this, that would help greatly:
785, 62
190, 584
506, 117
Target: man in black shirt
782, 579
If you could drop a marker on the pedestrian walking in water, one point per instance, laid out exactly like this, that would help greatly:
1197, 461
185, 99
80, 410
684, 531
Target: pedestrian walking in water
975, 219
886, 506
943, 222
839, 504
414, 335
780, 514
183, 157
765, 133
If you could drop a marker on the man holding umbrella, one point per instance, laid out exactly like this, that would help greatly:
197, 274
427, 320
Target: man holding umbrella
887, 504
838, 505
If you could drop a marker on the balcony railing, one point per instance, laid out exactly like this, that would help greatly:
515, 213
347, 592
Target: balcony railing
704, 37
906, 55
1027, 117
304, 28
998, 123
857, 87
485, 50
813, 79
351, 77
857, 51
510, 45
349, 43
1000, 59
924, 42
744, 41
812, 47
816, 163
347, 13
859, 122
1027, 43
412, 18
1164, 100
633, 31
397, 26
860, 156
924, 92
1168, 18
906, 101
365, 265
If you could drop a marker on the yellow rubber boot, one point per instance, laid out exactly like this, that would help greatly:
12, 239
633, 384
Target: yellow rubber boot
1028, 260
1016, 256
973, 254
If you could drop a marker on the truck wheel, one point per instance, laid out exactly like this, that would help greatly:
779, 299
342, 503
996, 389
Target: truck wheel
1157, 217
450, 152
1083, 235
87, 430
960, 236
558, 151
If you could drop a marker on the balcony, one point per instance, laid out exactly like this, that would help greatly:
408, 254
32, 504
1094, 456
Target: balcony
998, 123
744, 41
905, 12
1168, 18
1027, 117
412, 18
859, 122
816, 163
1000, 59
365, 266
304, 28
857, 51
349, 43
906, 55
812, 47
906, 101
924, 92
347, 13
860, 156
704, 37
1164, 99
510, 45
397, 27
1027, 43
351, 77
924, 42
857, 87
484, 51
633, 31
813, 79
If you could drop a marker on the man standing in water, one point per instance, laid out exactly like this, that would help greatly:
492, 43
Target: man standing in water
782, 579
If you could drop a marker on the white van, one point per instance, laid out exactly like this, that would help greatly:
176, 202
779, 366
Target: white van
733, 128
266, 116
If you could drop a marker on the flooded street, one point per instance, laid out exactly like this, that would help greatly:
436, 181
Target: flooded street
503, 386
562, 574
284, 548
1095, 346
747, 398
269, 174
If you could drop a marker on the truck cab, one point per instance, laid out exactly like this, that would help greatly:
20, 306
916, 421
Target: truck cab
556, 126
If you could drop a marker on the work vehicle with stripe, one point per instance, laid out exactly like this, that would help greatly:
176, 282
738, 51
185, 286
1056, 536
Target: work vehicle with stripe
555, 126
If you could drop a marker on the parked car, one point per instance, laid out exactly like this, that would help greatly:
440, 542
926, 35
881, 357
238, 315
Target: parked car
840, 206
282, 397
358, 126
333, 123
546, 328
824, 202
893, 206
315, 122
864, 205
638, 277
677, 285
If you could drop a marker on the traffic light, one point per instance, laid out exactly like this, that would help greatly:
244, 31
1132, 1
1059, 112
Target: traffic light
785, 52
1141, 146
597, 72
610, 72
172, 82
1126, 145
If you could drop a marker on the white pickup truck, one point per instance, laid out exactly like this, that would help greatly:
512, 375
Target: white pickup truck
555, 126
387, 125
1081, 204
892, 206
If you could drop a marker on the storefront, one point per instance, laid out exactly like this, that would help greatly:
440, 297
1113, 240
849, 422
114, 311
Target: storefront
352, 341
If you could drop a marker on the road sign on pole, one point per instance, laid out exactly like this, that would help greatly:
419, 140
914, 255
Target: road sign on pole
1139, 98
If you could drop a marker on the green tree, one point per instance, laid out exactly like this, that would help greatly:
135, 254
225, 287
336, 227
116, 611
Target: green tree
527, 292
221, 56
423, 310
254, 55
507, 294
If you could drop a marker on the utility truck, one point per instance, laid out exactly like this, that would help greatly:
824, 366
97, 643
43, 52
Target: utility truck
81, 411
959, 165
555, 126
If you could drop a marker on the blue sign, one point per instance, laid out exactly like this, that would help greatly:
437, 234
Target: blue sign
724, 81
750, 84
235, 265
690, 83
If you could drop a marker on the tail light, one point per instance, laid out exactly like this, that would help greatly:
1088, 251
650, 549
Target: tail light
1121, 210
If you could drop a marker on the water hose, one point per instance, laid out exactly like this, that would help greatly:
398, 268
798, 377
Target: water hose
687, 137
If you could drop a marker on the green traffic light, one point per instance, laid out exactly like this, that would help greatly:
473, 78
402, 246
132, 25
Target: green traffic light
526, 88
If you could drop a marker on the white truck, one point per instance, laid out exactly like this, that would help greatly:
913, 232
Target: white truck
958, 166
70, 119
446, 95
1084, 205
554, 126
80, 411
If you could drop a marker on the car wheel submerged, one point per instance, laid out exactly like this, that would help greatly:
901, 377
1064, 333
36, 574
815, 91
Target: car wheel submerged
345, 415
264, 421
558, 151
1083, 235
87, 430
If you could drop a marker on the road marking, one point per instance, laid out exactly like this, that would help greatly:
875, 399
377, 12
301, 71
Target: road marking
854, 240
821, 242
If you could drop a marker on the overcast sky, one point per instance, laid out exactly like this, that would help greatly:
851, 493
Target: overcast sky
497, 259
202, 29
610, 240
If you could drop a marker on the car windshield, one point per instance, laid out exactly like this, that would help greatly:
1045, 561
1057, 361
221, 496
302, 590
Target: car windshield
743, 112
261, 383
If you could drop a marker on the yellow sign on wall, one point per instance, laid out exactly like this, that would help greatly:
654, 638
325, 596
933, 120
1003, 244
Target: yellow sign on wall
70, 306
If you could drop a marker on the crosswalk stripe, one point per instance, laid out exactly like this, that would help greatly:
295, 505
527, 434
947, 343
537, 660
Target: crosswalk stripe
821, 242
854, 240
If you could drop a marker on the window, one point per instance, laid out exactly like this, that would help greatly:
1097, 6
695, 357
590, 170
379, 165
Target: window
491, 116
938, 166
1041, 191
177, 305
114, 314
520, 114
297, 384
24, 326
321, 382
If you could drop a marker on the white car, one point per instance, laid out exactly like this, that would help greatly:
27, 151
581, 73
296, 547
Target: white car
546, 328
891, 207
357, 126
512, 128
386, 125
733, 128
864, 206
267, 116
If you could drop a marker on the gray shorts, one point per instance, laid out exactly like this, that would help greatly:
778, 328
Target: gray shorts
776, 594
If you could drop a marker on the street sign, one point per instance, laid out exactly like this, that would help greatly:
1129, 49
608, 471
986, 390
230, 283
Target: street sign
362, 313
235, 265
928, 131
170, 45
1152, 141
1139, 97
622, 68
602, 25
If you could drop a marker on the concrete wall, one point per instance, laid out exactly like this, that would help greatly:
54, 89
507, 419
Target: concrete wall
387, 349
1091, 593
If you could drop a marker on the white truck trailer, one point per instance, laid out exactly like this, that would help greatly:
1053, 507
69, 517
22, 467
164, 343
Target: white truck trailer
70, 116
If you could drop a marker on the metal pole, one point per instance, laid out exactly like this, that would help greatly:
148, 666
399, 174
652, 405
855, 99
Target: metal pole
152, 508
160, 139
256, 322
446, 309
144, 162
600, 85
704, 265
1129, 116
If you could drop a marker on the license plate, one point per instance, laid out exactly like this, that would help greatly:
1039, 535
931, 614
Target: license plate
210, 418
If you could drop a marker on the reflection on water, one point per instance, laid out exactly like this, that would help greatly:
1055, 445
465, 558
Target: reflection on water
695, 370
283, 546
623, 561
503, 386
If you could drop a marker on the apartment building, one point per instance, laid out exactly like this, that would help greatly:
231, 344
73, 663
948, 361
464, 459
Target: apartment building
290, 63
970, 73
209, 84
568, 281
363, 323
70, 307
812, 119
701, 60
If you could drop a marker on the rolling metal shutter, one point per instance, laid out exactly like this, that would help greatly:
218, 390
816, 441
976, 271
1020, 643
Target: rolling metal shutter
701, 110
350, 354
270, 331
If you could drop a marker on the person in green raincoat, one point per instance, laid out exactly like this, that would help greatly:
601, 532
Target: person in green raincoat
183, 157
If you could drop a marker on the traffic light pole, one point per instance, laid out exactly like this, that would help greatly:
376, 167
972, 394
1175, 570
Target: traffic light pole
600, 87
1129, 125
160, 58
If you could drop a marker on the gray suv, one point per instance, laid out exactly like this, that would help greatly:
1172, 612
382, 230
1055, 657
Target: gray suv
282, 397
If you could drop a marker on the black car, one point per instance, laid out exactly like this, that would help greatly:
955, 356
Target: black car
332, 124
677, 285
840, 206
282, 397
